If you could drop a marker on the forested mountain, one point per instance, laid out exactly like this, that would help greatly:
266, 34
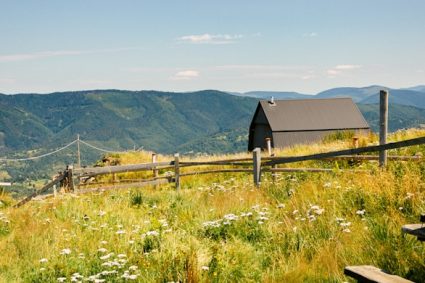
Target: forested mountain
198, 122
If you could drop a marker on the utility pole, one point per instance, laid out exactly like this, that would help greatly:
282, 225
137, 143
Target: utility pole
78, 151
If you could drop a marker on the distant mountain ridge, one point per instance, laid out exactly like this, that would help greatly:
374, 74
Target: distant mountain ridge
414, 96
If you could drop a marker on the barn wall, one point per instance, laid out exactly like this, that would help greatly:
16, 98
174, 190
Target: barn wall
261, 132
286, 139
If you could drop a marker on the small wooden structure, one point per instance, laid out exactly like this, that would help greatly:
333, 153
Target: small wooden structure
290, 122
417, 230
369, 274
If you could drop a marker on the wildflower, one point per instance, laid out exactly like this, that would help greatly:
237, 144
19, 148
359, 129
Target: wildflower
43, 269
295, 211
205, 268
106, 256
409, 196
81, 256
65, 252
61, 279
260, 222
121, 256
345, 224
102, 250
120, 232
230, 217
43, 260
152, 233
131, 242
101, 213
133, 268
327, 185
400, 208
280, 205
360, 212
346, 230
103, 242
132, 277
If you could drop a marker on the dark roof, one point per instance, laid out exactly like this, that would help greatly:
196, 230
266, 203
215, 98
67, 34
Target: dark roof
313, 114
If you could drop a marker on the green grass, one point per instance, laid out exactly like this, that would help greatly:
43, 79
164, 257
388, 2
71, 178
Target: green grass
219, 228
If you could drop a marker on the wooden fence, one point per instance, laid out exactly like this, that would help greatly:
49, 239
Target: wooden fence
79, 179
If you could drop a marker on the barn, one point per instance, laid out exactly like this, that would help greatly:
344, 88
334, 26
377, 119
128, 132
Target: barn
290, 122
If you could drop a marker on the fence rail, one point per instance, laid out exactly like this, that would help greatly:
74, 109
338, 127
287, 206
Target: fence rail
256, 165
374, 148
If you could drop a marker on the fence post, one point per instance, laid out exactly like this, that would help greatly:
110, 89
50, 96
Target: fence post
256, 156
177, 171
269, 146
383, 125
154, 170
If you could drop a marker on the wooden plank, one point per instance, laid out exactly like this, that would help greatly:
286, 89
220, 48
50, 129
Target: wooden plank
125, 181
369, 273
417, 230
235, 170
177, 171
374, 157
383, 125
374, 148
256, 157
125, 186
93, 171
311, 170
45, 188
216, 163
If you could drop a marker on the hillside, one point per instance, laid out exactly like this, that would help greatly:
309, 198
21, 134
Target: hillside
157, 121
210, 122
305, 227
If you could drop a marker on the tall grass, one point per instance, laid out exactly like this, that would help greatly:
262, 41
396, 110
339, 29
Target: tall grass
305, 227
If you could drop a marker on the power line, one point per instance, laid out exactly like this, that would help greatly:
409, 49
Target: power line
101, 149
78, 140
39, 156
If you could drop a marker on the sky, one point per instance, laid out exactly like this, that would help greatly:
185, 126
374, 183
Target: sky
305, 46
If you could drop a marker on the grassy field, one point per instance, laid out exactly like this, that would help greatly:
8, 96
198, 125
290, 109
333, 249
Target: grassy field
220, 228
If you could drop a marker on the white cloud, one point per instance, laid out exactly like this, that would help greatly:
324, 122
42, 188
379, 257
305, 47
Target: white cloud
341, 69
311, 34
207, 38
347, 67
185, 75
47, 54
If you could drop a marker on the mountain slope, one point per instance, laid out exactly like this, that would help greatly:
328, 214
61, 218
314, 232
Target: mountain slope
399, 116
159, 121
370, 95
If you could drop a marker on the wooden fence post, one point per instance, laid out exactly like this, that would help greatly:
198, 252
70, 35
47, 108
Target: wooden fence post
256, 156
177, 171
154, 170
383, 125
71, 178
269, 146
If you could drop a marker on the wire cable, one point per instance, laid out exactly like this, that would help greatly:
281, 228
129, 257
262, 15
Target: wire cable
101, 149
39, 156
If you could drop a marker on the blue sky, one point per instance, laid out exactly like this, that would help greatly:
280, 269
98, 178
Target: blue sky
233, 45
